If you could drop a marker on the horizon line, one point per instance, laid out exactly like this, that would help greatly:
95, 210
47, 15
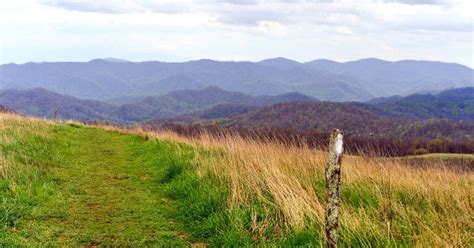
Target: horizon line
121, 60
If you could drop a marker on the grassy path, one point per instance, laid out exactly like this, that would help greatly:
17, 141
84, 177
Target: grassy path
98, 188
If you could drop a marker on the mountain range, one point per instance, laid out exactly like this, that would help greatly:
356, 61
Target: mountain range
360, 80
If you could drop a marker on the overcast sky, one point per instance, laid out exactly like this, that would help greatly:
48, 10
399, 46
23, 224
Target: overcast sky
180, 30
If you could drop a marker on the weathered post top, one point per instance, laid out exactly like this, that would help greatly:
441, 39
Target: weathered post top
338, 146
333, 183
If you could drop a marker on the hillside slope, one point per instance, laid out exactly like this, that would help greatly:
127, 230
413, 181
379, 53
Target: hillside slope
355, 118
67, 185
454, 104
64, 184
449, 114
188, 101
43, 103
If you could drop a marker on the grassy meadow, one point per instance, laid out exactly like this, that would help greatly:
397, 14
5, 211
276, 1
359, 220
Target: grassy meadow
67, 184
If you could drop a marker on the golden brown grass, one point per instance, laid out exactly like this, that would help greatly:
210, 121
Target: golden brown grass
422, 206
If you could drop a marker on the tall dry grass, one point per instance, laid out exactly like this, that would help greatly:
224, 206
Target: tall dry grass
383, 199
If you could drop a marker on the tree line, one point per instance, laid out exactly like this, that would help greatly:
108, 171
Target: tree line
354, 144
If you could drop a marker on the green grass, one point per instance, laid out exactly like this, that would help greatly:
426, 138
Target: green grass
69, 185
445, 156
449, 160
84, 186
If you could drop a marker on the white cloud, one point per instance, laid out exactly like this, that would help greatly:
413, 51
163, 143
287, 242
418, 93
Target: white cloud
344, 30
236, 29
119, 6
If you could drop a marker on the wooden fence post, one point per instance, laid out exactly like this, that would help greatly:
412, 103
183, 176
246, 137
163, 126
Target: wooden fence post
333, 182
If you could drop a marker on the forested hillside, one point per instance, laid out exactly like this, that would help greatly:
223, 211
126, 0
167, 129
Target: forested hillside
455, 104
355, 118
44, 103
448, 114
187, 101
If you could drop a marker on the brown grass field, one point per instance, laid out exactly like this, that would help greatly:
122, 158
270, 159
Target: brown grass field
430, 206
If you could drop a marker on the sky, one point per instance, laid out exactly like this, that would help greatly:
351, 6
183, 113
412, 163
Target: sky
236, 30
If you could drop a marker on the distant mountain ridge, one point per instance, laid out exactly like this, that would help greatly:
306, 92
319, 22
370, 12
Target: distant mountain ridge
400, 77
323, 79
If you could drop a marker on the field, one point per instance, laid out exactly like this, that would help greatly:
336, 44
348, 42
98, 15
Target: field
453, 161
67, 184
445, 156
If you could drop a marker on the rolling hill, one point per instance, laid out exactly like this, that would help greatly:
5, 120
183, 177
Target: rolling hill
323, 79
210, 115
455, 104
448, 114
187, 101
43, 103
356, 119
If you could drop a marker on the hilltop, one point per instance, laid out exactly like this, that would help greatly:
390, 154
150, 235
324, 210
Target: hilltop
68, 184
